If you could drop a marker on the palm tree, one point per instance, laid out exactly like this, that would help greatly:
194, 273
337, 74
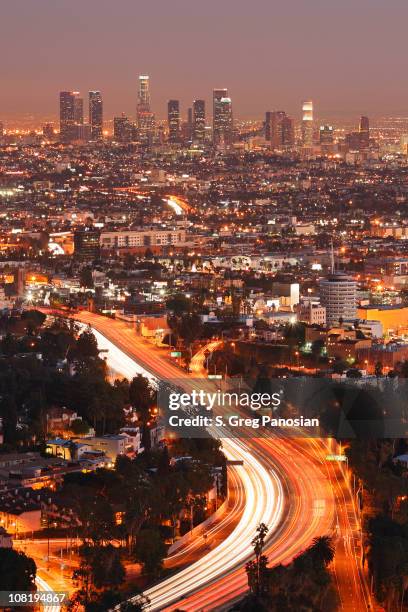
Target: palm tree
322, 550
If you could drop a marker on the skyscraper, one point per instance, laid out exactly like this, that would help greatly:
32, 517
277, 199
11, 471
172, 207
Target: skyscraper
279, 129
277, 132
78, 109
144, 116
364, 130
222, 118
173, 119
307, 123
199, 120
1, 129
96, 114
288, 131
67, 115
122, 129
326, 134
143, 103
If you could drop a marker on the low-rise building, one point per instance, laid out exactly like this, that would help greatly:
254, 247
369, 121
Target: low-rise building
69, 450
154, 327
60, 419
19, 514
389, 355
346, 348
143, 239
113, 445
313, 314
393, 318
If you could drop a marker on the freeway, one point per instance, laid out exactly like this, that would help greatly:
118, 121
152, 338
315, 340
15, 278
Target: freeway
178, 204
351, 584
287, 486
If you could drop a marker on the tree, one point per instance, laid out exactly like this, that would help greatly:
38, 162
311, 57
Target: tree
317, 347
9, 345
353, 373
378, 369
339, 366
150, 551
322, 550
179, 304
295, 335
142, 397
17, 571
187, 326
100, 568
56, 342
87, 345
79, 427
85, 355
86, 278
107, 567
34, 319
388, 560
256, 569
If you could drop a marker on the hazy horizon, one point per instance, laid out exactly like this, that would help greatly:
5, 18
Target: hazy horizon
349, 58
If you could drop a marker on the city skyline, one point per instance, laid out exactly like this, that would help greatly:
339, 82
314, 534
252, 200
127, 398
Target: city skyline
82, 113
353, 76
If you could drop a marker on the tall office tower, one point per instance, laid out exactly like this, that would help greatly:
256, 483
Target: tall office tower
67, 115
353, 141
364, 130
96, 114
83, 132
222, 118
326, 134
338, 295
199, 120
173, 119
1, 129
186, 129
267, 125
144, 116
143, 101
279, 129
307, 123
122, 129
219, 95
78, 108
227, 121
288, 132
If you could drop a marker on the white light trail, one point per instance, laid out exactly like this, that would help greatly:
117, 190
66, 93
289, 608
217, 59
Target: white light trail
264, 504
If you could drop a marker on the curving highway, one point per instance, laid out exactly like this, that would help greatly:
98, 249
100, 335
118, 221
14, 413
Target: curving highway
287, 486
